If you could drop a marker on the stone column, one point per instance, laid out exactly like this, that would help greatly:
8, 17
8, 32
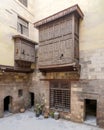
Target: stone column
77, 105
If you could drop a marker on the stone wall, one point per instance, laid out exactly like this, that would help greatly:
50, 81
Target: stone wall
87, 89
40, 88
80, 90
92, 64
10, 83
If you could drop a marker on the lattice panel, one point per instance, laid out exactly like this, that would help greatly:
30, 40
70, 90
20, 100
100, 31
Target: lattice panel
57, 52
60, 96
59, 42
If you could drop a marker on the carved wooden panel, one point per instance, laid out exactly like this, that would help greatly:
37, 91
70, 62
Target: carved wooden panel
17, 49
76, 49
59, 42
56, 29
24, 51
76, 26
56, 53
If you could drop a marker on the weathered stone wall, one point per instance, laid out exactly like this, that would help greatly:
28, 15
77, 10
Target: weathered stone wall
87, 89
80, 90
92, 64
76, 104
40, 89
89, 86
10, 83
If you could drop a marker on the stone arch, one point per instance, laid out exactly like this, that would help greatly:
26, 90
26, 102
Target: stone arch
8, 103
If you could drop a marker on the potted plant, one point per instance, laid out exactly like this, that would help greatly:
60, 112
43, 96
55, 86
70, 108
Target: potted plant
39, 109
56, 115
46, 113
51, 114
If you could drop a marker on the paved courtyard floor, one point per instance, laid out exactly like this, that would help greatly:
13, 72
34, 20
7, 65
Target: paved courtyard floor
28, 121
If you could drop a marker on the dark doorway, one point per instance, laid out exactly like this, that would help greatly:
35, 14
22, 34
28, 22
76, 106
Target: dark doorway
7, 103
31, 99
90, 111
91, 106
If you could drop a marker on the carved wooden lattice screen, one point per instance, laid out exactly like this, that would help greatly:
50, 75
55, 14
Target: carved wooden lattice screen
60, 96
59, 39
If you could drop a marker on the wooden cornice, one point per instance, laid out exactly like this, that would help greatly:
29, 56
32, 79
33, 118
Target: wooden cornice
59, 80
60, 68
73, 9
24, 38
5, 68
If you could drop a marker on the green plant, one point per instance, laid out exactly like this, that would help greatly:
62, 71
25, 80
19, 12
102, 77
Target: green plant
40, 103
51, 114
39, 109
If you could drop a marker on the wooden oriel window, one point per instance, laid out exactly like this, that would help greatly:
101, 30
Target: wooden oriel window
22, 26
24, 53
59, 40
60, 96
24, 2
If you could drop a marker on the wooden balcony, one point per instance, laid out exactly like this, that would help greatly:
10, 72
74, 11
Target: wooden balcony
24, 53
59, 40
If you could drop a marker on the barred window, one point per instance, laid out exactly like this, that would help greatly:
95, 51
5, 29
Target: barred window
24, 2
22, 26
60, 96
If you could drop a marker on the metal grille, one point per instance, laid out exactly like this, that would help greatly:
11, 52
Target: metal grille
60, 96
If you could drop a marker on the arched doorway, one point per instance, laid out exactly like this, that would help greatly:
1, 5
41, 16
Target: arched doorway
8, 103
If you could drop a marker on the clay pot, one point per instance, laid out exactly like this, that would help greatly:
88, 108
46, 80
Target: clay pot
22, 110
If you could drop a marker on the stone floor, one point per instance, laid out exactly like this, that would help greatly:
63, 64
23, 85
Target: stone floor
90, 120
28, 121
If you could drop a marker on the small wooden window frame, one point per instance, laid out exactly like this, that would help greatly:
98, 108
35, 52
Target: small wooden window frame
23, 26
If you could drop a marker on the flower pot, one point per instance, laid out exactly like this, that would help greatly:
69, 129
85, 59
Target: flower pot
37, 114
56, 115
